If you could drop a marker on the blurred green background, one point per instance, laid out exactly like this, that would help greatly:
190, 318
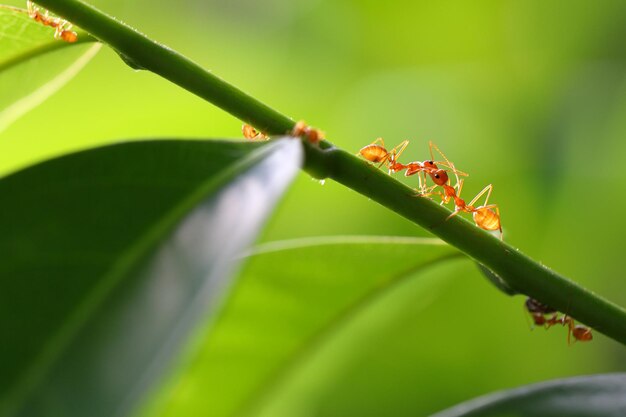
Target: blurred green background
529, 96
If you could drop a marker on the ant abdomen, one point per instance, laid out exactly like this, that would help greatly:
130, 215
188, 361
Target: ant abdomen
582, 333
486, 218
374, 153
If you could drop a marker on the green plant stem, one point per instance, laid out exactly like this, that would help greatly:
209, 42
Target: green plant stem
520, 272
143, 53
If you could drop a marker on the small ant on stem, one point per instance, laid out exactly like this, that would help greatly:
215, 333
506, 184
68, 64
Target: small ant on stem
486, 217
62, 28
375, 152
251, 133
301, 129
538, 311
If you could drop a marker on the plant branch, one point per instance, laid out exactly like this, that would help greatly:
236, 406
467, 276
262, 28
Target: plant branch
516, 269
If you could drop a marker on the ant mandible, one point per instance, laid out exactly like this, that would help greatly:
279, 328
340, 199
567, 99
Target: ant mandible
62, 28
375, 152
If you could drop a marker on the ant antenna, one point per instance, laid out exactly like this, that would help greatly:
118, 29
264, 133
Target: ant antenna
448, 162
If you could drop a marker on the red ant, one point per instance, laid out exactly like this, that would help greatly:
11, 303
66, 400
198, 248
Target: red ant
538, 312
251, 133
431, 167
375, 152
581, 333
301, 129
62, 28
486, 217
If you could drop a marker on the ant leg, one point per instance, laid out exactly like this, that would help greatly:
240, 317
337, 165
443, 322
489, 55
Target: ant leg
452, 168
431, 145
448, 163
570, 328
429, 193
487, 190
491, 206
454, 213
460, 184
397, 151
57, 31
379, 140
384, 160
421, 178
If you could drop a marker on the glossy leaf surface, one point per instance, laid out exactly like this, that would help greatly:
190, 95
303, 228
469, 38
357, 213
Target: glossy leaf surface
111, 255
300, 304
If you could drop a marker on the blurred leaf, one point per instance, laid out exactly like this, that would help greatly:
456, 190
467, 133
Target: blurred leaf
589, 396
294, 298
110, 255
28, 72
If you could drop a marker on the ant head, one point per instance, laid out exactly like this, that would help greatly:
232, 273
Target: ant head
430, 165
439, 176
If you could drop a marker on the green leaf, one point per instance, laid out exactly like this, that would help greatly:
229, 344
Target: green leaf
110, 255
295, 299
588, 396
29, 72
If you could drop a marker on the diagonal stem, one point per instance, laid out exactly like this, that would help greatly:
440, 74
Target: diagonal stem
519, 271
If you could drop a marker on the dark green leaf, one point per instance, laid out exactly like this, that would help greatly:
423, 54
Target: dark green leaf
589, 396
110, 255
